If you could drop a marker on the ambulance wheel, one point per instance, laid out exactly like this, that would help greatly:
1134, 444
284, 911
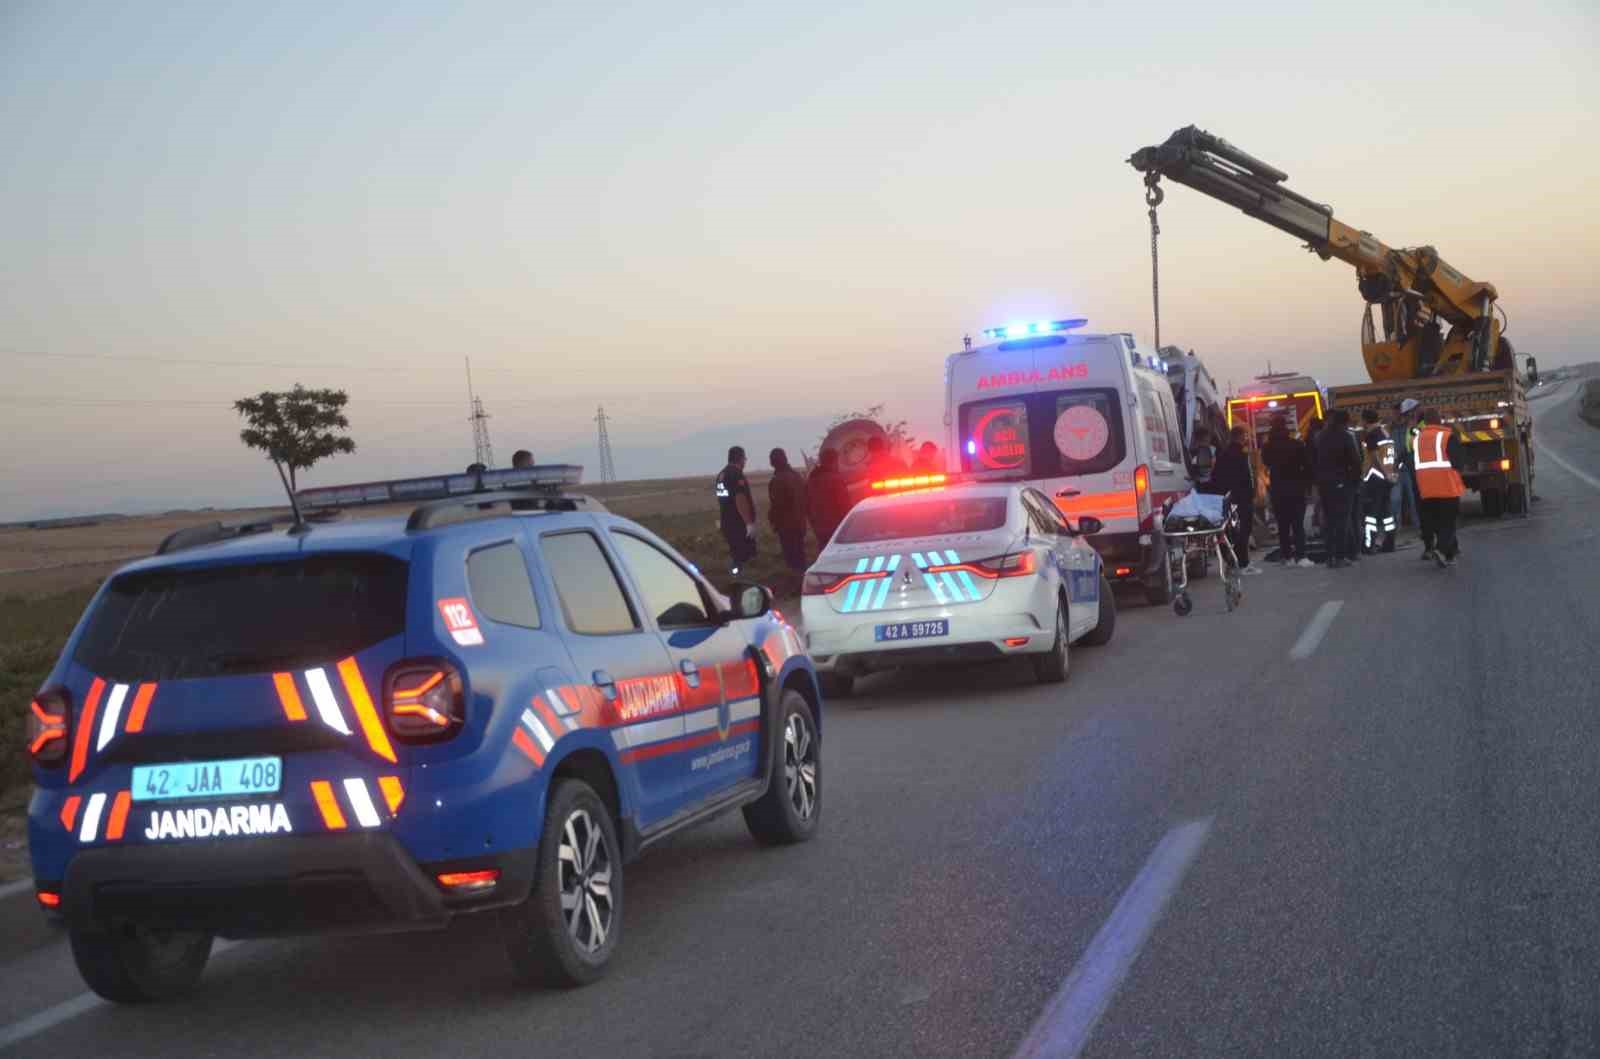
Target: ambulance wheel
130, 965
789, 811
1494, 503
1051, 667
1182, 605
1516, 500
1101, 633
1160, 593
564, 934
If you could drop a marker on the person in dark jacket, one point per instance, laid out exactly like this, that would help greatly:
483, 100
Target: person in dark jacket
827, 497
1338, 464
786, 510
1288, 461
1233, 478
1202, 457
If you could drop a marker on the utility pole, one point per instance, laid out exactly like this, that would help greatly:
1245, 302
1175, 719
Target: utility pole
483, 450
608, 469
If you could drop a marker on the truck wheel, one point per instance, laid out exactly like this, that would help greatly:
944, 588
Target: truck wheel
1101, 633
563, 935
1516, 499
1160, 593
129, 965
1494, 503
788, 812
1051, 667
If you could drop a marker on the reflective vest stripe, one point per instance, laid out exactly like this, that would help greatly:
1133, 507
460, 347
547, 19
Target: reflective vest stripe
1439, 460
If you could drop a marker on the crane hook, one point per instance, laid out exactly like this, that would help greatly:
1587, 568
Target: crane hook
1153, 195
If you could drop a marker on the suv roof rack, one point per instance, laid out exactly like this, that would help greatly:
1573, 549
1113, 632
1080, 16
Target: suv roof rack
495, 505
209, 533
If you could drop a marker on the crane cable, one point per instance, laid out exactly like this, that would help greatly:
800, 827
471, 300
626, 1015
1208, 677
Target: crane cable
1153, 195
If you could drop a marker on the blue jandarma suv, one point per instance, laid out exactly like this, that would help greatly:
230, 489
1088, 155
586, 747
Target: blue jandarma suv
387, 723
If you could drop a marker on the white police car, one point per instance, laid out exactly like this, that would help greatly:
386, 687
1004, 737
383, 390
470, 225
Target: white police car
929, 570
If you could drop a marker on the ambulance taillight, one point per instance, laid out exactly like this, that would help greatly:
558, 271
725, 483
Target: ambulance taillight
46, 729
1141, 496
424, 701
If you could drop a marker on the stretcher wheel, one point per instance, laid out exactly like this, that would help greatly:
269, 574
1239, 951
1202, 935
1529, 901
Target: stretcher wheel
1183, 605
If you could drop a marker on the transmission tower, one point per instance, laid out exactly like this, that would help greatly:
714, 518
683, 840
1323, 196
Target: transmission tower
483, 450
608, 469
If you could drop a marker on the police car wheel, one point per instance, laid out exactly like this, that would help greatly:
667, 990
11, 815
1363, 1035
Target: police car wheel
1051, 667
789, 811
1101, 633
563, 935
129, 964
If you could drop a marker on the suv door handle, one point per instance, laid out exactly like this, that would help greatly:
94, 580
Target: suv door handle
691, 672
603, 681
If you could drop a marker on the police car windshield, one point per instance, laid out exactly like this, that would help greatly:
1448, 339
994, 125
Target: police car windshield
223, 620
933, 517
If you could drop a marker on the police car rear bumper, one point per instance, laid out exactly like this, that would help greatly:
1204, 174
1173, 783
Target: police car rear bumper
280, 885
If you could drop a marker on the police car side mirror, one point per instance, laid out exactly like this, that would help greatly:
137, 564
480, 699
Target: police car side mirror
1089, 524
750, 600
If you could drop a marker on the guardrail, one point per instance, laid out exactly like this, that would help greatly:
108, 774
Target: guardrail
1589, 402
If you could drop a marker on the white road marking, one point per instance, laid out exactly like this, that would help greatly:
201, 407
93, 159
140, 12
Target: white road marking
7, 889
1561, 461
52, 1017
1306, 646
1070, 1017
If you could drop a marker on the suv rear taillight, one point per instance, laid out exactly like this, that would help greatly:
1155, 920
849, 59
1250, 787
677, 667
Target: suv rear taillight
423, 701
47, 729
1141, 496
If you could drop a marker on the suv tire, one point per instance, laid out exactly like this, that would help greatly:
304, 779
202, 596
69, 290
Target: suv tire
563, 935
128, 964
1051, 667
789, 811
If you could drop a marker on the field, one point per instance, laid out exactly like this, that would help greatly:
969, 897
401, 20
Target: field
48, 575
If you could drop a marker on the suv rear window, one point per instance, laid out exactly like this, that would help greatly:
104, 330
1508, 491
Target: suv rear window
224, 620
923, 518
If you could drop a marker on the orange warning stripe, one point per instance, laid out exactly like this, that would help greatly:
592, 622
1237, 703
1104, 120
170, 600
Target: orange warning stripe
377, 738
328, 805
80, 746
69, 811
119, 816
141, 707
289, 696
394, 792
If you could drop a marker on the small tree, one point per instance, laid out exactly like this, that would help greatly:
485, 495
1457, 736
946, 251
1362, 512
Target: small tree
296, 429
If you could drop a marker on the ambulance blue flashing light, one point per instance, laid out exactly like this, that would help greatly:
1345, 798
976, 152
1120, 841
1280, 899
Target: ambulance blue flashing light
1039, 327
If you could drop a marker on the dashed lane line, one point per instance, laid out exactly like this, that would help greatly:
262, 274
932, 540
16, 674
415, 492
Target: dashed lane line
1306, 646
1070, 1017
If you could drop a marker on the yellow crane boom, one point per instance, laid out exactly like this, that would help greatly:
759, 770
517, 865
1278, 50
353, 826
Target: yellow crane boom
1417, 295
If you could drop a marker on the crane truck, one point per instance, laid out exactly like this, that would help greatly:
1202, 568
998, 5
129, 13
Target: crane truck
1469, 372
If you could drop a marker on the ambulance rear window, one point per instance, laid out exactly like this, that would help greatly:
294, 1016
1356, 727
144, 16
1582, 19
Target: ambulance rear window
224, 620
923, 518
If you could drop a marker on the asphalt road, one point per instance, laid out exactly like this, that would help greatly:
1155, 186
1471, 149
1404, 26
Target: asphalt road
1370, 828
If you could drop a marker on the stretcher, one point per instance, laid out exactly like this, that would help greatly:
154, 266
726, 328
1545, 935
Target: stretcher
1197, 528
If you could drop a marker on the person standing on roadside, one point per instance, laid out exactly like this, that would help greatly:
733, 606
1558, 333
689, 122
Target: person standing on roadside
1440, 487
1338, 463
827, 497
927, 460
1314, 495
786, 510
738, 511
881, 463
1233, 478
1404, 432
1357, 501
1288, 461
1378, 475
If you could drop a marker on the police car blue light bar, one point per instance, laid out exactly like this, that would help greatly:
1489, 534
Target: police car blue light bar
1039, 327
549, 476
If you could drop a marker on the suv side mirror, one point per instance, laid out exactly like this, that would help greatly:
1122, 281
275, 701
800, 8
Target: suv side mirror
1090, 524
750, 600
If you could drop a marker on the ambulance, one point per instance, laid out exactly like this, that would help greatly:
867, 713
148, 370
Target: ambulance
1086, 418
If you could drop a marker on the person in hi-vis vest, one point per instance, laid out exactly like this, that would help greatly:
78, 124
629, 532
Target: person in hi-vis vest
1378, 474
1439, 485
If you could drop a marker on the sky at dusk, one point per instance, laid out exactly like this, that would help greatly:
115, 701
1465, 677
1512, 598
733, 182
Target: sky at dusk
726, 223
